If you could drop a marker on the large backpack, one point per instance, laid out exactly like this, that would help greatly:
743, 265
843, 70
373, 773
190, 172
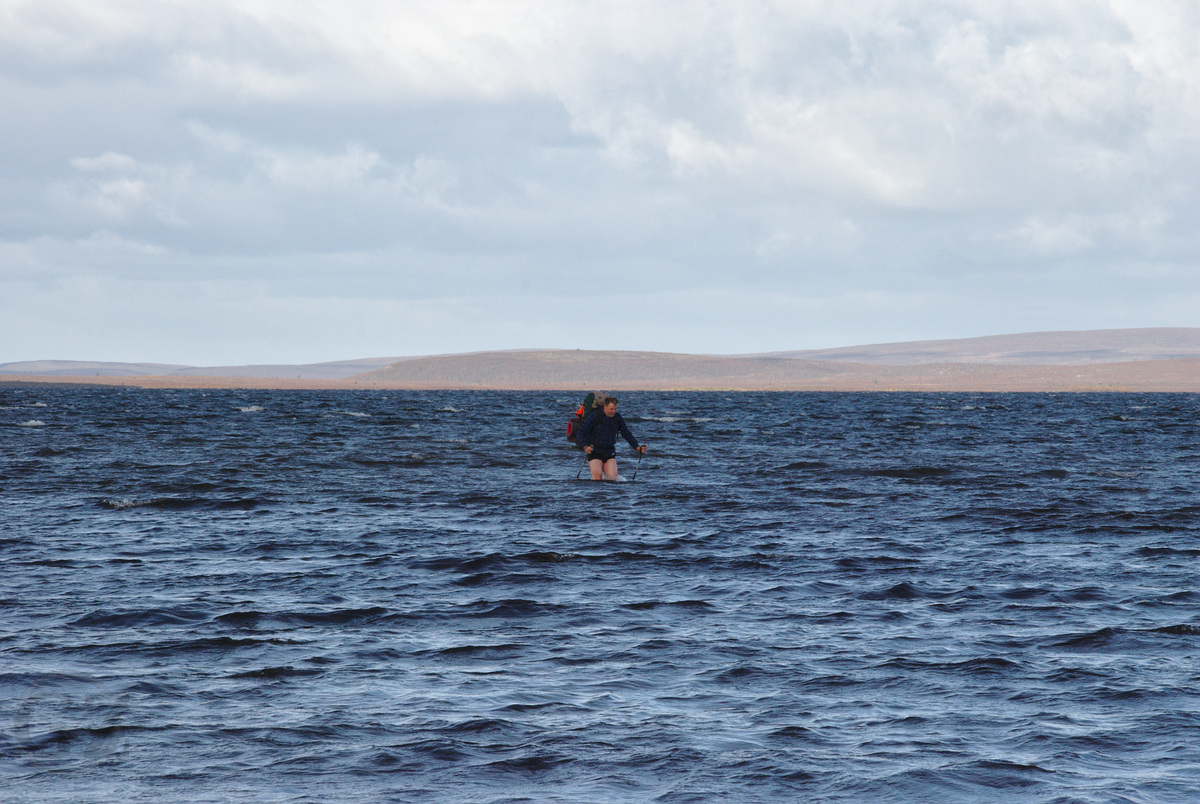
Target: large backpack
576, 420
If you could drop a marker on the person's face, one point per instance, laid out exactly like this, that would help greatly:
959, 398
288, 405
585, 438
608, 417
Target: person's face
610, 409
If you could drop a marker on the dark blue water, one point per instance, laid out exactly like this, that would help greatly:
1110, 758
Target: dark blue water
359, 597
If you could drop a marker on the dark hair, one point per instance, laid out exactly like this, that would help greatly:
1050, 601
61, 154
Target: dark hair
612, 399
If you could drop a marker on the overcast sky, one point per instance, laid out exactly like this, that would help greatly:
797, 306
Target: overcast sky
243, 181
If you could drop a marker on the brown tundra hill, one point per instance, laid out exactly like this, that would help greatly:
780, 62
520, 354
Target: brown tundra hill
1161, 359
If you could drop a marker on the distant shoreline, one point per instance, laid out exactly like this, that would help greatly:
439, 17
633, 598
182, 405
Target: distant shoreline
1173, 376
1162, 360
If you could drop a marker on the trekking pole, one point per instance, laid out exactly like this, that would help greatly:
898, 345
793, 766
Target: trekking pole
639, 466
577, 474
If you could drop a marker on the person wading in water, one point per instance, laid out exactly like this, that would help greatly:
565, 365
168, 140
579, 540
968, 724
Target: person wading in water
598, 438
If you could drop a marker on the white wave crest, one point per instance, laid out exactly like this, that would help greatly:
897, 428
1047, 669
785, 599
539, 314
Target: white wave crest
121, 504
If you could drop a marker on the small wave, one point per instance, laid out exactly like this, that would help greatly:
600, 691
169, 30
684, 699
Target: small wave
449, 409
480, 725
513, 608
871, 563
118, 505
1001, 773
250, 409
502, 651
32, 423
901, 591
1080, 594
496, 462
1183, 629
743, 673
1075, 675
470, 564
532, 763
1091, 639
792, 734
654, 604
241, 619
914, 473
544, 557
356, 414
1158, 552
335, 617
140, 618
1024, 593
210, 644
62, 737
277, 672
179, 503
795, 466
988, 666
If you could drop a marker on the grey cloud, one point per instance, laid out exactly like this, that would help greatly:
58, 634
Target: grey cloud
879, 155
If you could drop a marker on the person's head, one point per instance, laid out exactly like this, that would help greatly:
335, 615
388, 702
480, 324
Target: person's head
610, 406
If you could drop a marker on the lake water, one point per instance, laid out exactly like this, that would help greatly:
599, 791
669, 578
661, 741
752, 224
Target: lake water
395, 596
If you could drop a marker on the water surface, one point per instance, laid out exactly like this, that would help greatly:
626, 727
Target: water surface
394, 596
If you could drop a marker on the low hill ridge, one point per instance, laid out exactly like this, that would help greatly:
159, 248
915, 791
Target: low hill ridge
1027, 349
1159, 359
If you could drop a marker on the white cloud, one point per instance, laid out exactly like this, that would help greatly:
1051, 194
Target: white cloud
1059, 237
460, 148
105, 163
115, 189
882, 101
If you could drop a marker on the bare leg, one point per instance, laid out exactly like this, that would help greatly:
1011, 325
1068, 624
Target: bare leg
595, 466
610, 469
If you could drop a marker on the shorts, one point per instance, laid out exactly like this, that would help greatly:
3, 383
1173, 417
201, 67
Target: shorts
600, 455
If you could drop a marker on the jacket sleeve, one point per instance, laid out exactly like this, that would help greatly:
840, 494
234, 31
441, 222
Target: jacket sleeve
625, 432
584, 436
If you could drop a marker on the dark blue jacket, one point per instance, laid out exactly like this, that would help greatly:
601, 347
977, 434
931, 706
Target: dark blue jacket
601, 432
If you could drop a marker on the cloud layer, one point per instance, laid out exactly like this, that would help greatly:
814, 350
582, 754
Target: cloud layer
248, 181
